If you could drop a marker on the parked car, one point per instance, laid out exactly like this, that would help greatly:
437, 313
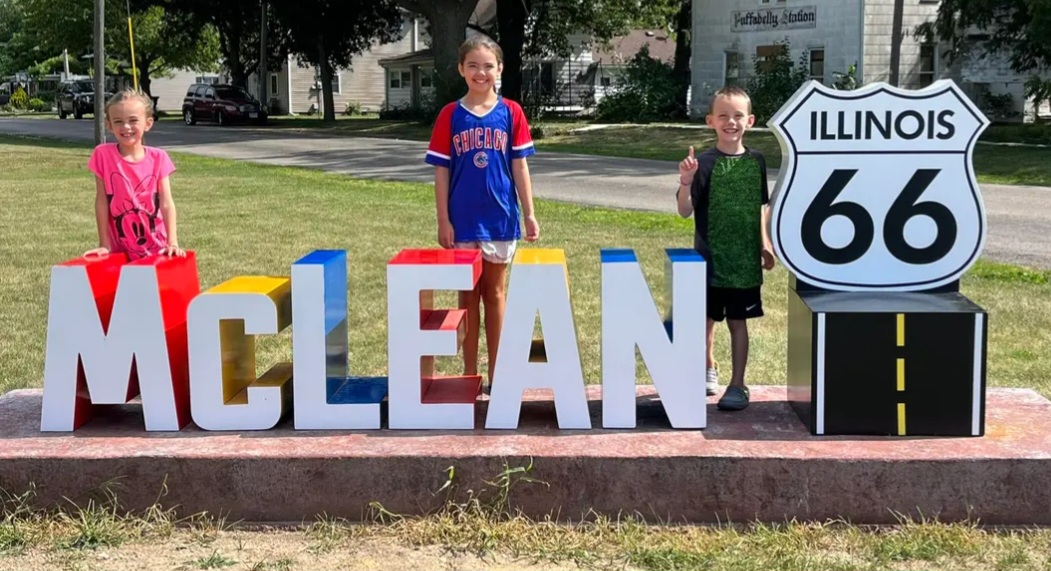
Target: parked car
76, 98
224, 104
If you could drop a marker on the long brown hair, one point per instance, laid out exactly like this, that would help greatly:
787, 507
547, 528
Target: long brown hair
481, 41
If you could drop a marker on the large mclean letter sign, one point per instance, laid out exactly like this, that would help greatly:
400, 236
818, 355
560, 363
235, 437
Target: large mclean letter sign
877, 215
117, 330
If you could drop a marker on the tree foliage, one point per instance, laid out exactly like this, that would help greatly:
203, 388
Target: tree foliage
645, 91
534, 29
448, 21
1019, 30
163, 41
774, 80
17, 47
238, 26
328, 34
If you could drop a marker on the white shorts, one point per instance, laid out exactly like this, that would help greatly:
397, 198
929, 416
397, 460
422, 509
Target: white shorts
492, 252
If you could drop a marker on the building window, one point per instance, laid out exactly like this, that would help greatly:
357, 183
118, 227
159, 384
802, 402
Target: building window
606, 81
731, 68
426, 78
400, 79
765, 53
209, 79
274, 83
337, 83
817, 64
928, 65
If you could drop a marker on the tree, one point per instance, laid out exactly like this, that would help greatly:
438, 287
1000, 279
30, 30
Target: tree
539, 28
329, 33
448, 24
1018, 29
238, 26
163, 41
15, 44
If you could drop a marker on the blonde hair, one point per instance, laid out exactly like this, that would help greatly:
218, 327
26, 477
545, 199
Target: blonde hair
131, 95
733, 91
481, 41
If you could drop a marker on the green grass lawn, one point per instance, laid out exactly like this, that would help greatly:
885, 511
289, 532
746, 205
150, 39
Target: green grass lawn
247, 219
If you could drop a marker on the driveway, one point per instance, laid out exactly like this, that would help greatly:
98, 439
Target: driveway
1019, 216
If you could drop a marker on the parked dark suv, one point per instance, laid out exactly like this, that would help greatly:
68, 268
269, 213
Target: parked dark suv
224, 104
76, 98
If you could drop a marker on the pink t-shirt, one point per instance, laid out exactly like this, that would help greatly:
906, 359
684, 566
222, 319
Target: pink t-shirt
135, 221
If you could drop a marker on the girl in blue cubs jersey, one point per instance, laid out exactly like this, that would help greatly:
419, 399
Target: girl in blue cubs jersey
479, 147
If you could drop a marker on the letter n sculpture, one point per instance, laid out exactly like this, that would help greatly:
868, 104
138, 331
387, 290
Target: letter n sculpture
877, 215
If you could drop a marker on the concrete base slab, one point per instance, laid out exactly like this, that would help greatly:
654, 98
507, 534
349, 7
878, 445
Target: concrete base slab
759, 464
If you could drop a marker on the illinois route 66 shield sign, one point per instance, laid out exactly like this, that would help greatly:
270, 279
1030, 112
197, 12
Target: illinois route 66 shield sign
877, 189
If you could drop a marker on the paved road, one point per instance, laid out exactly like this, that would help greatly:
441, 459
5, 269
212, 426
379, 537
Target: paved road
1019, 216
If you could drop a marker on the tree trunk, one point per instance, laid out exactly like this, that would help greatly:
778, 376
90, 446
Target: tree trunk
238, 74
144, 79
448, 19
450, 30
511, 18
681, 69
326, 82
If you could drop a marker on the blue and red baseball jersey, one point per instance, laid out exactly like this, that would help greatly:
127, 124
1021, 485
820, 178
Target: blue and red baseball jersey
477, 150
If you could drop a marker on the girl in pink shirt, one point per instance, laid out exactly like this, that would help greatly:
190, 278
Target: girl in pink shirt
133, 200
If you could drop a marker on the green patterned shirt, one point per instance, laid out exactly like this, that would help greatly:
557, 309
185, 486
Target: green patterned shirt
728, 194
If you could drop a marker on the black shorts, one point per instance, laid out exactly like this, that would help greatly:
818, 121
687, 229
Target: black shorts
733, 303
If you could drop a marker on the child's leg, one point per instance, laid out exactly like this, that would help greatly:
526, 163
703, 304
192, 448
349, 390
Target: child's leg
710, 341
493, 292
469, 301
738, 349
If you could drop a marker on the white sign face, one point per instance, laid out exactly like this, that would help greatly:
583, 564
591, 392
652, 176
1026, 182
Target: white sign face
877, 188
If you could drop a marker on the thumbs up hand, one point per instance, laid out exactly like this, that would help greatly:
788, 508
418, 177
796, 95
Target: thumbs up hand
688, 168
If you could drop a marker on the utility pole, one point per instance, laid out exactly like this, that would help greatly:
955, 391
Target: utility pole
263, 79
895, 42
100, 72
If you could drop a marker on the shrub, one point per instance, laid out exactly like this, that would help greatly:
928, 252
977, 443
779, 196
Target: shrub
19, 99
645, 91
353, 108
848, 80
775, 80
36, 104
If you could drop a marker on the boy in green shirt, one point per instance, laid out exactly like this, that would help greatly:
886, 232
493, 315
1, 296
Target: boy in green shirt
728, 196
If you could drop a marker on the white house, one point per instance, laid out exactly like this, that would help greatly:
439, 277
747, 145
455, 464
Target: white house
728, 34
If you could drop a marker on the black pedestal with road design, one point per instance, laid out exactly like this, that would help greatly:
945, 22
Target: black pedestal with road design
908, 364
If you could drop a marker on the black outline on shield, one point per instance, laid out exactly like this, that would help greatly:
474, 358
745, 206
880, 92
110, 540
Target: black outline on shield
968, 167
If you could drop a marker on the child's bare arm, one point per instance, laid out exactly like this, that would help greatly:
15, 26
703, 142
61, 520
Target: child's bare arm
101, 219
520, 172
164, 189
441, 204
767, 252
687, 172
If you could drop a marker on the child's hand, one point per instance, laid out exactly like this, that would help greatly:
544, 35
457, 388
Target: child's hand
532, 228
688, 167
97, 252
767, 254
173, 250
445, 234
